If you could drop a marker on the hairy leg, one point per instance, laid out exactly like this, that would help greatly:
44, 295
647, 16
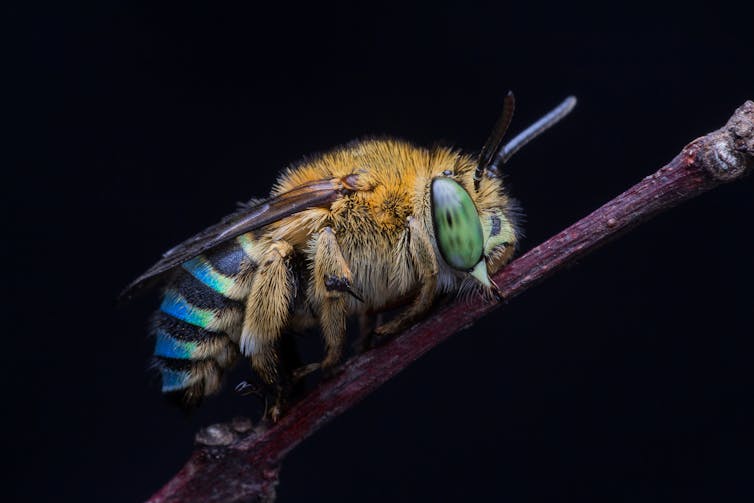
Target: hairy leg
268, 309
425, 263
329, 290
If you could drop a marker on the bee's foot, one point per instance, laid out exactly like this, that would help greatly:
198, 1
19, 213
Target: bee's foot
382, 335
330, 371
274, 413
245, 388
303, 371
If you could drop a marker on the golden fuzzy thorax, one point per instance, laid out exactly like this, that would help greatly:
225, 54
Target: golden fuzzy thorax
369, 251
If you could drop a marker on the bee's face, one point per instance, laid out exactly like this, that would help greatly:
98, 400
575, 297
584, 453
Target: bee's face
459, 234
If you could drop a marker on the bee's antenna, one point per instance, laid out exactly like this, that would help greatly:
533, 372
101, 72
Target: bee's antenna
543, 124
492, 146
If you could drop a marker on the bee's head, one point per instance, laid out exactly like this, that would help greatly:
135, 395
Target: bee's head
467, 241
482, 243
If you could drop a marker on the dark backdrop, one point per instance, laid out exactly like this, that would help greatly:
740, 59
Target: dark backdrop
626, 378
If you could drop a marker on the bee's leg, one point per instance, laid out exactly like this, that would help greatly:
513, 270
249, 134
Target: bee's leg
268, 309
425, 263
330, 285
367, 323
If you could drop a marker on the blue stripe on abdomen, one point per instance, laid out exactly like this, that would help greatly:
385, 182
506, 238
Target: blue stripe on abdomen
173, 380
169, 347
202, 270
200, 307
177, 306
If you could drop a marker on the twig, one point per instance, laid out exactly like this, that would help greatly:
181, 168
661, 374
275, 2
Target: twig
236, 462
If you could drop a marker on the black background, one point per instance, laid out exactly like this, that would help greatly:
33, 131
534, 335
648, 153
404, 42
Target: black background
626, 378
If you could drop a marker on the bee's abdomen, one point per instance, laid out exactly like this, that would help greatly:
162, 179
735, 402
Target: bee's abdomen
198, 325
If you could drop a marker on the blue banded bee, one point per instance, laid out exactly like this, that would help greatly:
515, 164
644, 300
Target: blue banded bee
358, 230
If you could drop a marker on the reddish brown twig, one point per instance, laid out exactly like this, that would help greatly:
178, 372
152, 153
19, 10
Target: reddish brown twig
238, 463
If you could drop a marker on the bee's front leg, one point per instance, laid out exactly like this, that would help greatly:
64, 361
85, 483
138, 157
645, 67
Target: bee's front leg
330, 286
425, 264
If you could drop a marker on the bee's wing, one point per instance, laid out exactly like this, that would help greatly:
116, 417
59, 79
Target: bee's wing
318, 193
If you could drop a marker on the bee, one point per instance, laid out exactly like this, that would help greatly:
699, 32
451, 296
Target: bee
372, 226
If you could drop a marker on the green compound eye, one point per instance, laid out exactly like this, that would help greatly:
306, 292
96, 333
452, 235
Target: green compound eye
458, 230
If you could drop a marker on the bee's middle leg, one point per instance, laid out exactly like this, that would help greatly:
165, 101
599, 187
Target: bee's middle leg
330, 288
367, 323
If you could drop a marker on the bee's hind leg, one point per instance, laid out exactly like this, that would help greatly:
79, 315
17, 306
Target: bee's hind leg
268, 309
330, 288
425, 263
